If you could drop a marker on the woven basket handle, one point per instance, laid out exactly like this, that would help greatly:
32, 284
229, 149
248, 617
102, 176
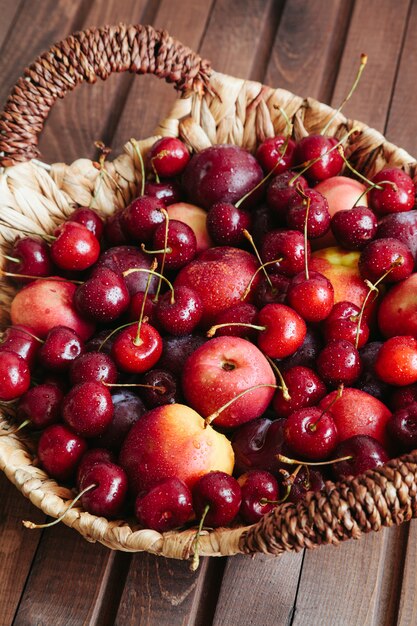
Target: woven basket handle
86, 56
381, 497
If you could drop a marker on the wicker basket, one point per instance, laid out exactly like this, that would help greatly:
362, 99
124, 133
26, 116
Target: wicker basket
213, 108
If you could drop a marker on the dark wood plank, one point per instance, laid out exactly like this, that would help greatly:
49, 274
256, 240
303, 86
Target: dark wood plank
72, 582
91, 112
402, 123
357, 583
407, 613
259, 590
150, 99
9, 9
40, 24
308, 46
17, 546
373, 31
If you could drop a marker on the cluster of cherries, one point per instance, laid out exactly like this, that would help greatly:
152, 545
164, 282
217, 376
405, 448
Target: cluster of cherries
114, 317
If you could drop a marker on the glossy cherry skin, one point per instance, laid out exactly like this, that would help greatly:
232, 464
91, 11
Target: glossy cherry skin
318, 221
14, 376
354, 228
311, 433
136, 359
402, 428
91, 458
176, 351
307, 353
379, 256
339, 362
113, 230
181, 316
103, 297
243, 312
311, 297
342, 323
140, 219
222, 173
221, 493
75, 247
122, 258
284, 331
60, 450
127, 409
156, 397
34, 259
108, 497
401, 226
22, 341
168, 157
305, 481
315, 146
225, 224
135, 308
256, 485
396, 363
288, 245
280, 192
88, 409
167, 191
62, 345
88, 218
304, 387
41, 405
263, 220
276, 153
265, 294
403, 397
367, 453
368, 380
393, 198
166, 506
93, 366
257, 443
181, 244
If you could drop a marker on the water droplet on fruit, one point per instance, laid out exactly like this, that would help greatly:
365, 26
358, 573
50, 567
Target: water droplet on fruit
197, 444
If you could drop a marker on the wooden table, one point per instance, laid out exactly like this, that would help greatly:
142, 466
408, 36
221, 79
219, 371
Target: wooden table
311, 47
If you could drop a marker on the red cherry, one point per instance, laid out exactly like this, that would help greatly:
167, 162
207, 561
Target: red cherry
221, 493
88, 409
311, 297
60, 450
403, 397
135, 308
91, 458
354, 228
243, 312
136, 356
107, 499
255, 486
168, 157
168, 191
380, 255
311, 433
342, 323
88, 218
271, 155
140, 219
315, 146
103, 297
32, 257
396, 363
257, 443
165, 391
127, 409
75, 247
284, 331
318, 221
62, 345
367, 453
122, 258
181, 244
307, 353
93, 366
393, 198
402, 428
22, 341
14, 376
181, 316
41, 405
166, 506
339, 362
226, 223
305, 481
113, 230
288, 244
265, 294
304, 388
280, 192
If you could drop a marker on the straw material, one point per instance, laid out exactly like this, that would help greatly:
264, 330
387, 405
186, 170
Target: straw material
213, 108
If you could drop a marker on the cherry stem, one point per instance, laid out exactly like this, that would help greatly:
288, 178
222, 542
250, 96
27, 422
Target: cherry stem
162, 251
11, 258
157, 387
115, 330
249, 237
31, 525
216, 414
196, 556
137, 340
288, 124
212, 331
158, 289
308, 164
339, 394
283, 386
13, 431
364, 59
160, 276
287, 483
286, 459
374, 287
306, 202
261, 268
370, 184
29, 276
142, 167
23, 330
27, 232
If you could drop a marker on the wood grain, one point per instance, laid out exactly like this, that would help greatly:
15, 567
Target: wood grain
17, 546
308, 46
382, 43
407, 613
9, 12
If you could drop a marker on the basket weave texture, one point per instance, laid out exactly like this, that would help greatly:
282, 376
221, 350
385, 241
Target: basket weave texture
213, 108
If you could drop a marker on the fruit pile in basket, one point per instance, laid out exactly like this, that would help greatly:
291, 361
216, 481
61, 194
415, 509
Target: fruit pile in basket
189, 359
